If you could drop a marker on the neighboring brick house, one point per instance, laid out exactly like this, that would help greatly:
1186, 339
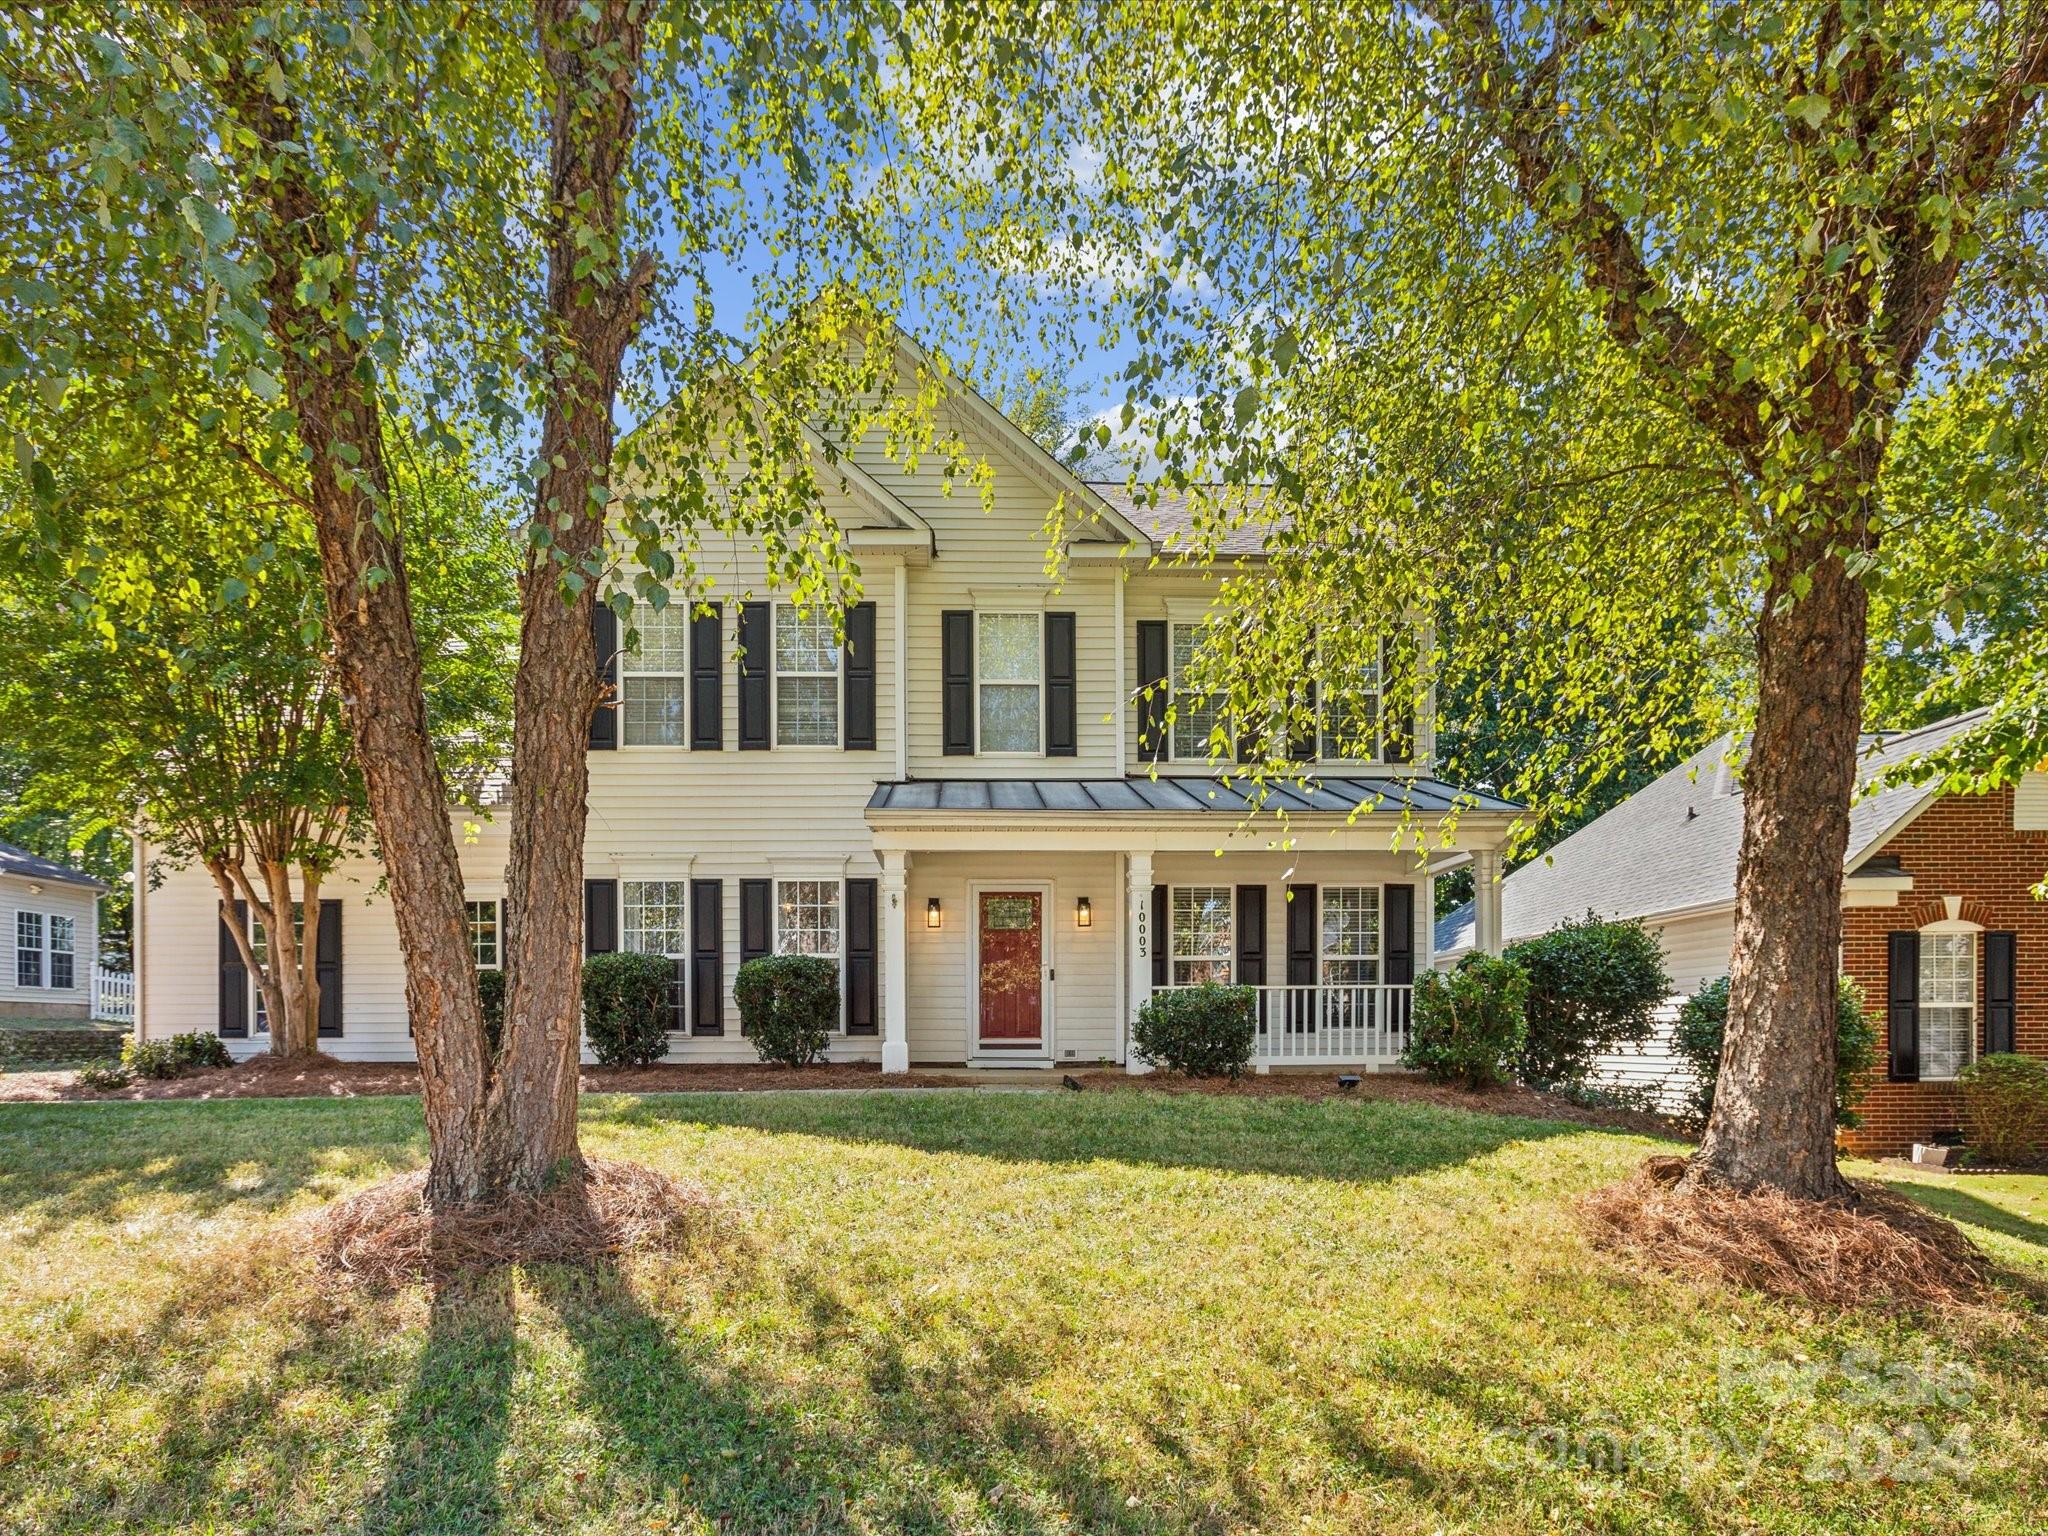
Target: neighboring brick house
1941, 928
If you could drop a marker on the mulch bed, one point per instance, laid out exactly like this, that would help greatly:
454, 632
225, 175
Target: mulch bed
263, 1077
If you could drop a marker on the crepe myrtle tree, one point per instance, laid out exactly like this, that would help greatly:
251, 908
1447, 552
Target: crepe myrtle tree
1584, 331
386, 220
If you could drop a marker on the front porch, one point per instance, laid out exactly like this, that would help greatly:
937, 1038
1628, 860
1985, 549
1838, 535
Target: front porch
1025, 924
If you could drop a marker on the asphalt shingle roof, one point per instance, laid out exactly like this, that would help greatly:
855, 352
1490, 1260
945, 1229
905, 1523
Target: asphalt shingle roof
1171, 520
1672, 846
1175, 796
19, 861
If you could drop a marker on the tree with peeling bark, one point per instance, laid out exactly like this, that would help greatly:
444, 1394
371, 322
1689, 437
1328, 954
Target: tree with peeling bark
378, 216
1585, 330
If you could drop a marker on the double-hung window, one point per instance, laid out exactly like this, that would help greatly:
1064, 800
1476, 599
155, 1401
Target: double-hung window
1351, 935
807, 918
486, 938
806, 678
1201, 934
1948, 1004
259, 945
1351, 727
28, 949
654, 682
654, 915
63, 945
1009, 680
1197, 716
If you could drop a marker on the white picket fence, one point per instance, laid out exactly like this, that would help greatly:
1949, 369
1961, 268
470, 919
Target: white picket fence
113, 996
1318, 1025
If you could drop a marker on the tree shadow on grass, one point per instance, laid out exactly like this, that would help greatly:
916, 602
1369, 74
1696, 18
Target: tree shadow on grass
1969, 1210
1365, 1141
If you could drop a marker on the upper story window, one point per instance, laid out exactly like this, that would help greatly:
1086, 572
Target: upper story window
1948, 1004
486, 941
1197, 717
1201, 936
806, 679
62, 931
28, 949
1350, 729
1351, 935
654, 682
1009, 654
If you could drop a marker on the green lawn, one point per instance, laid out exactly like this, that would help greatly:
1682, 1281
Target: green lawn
1019, 1313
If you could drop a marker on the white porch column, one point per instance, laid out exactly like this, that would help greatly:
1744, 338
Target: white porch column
1138, 952
895, 983
1486, 937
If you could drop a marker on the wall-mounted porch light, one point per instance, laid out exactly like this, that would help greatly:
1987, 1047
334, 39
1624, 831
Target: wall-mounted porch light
1084, 914
931, 912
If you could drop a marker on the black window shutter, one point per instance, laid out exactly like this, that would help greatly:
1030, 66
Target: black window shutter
707, 957
600, 916
754, 659
1152, 742
857, 717
1062, 736
956, 645
1302, 744
604, 646
757, 923
707, 680
1162, 939
232, 1020
327, 969
2001, 960
1902, 1005
1397, 928
1301, 955
861, 970
1251, 936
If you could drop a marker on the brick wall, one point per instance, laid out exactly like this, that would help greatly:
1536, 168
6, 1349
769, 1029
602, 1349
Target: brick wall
1963, 846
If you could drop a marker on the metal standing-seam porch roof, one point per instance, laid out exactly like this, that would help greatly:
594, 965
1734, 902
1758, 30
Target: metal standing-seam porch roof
1142, 796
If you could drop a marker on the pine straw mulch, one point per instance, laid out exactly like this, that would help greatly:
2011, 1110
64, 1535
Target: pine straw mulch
1880, 1251
601, 1211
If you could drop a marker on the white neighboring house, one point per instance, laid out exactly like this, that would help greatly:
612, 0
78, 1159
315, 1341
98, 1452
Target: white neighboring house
1667, 856
50, 914
963, 806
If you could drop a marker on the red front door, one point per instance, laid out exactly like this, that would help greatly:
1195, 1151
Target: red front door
1012, 941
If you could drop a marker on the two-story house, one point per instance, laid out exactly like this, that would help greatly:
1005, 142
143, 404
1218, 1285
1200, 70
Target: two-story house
972, 801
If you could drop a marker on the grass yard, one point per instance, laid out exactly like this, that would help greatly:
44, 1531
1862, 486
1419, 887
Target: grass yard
951, 1312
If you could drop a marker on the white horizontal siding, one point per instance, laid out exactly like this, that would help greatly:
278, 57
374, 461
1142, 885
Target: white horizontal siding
1696, 951
74, 902
2030, 803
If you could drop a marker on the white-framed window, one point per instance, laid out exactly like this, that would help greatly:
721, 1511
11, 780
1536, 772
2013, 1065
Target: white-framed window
1948, 1004
28, 949
1351, 935
1197, 717
807, 918
654, 682
486, 934
654, 915
259, 945
806, 678
1009, 683
1350, 731
1202, 933
63, 949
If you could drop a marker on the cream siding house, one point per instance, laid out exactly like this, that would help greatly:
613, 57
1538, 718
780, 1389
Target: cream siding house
50, 914
961, 805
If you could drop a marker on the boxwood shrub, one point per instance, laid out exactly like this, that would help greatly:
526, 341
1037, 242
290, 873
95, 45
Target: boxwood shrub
1594, 984
627, 1007
1203, 1031
2005, 1109
789, 1006
1703, 1021
1469, 1025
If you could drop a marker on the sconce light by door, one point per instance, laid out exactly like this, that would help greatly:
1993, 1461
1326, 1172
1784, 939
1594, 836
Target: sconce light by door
931, 912
1084, 914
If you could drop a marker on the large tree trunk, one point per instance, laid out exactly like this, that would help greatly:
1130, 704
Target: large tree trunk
376, 651
1772, 1125
593, 60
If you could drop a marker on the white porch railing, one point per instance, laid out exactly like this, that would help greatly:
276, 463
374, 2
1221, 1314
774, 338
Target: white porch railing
113, 995
1333, 1026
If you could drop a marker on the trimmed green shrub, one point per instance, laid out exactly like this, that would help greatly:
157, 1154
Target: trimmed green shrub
104, 1077
1703, 1020
150, 1058
1594, 985
2005, 1108
1469, 1025
789, 1006
490, 994
628, 1007
1204, 1031
199, 1050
